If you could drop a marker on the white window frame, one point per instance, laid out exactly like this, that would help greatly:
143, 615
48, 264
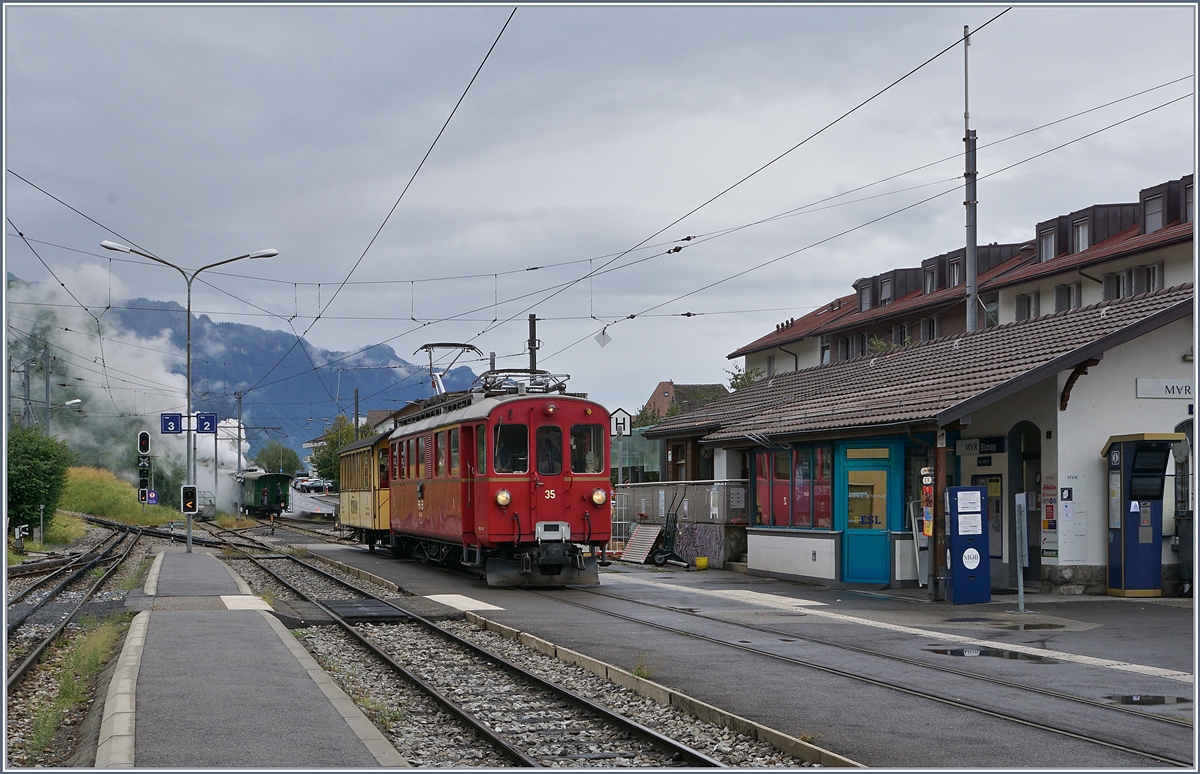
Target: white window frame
1046, 244
825, 349
864, 297
1152, 213
1068, 296
1118, 284
991, 309
770, 365
885, 292
1079, 228
957, 275
929, 280
1028, 306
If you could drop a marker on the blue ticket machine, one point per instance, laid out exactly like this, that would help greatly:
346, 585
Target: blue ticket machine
970, 569
1137, 467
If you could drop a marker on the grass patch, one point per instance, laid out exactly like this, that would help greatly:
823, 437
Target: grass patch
87, 656
14, 558
64, 529
226, 521
642, 669
135, 580
100, 493
269, 597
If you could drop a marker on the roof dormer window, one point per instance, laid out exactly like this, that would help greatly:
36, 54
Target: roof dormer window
864, 297
1189, 204
930, 280
1079, 235
956, 273
885, 292
1046, 244
1152, 214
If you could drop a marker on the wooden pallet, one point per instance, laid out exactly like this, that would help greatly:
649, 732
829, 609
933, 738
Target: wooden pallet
641, 543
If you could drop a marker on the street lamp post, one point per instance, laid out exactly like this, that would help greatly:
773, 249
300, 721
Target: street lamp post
71, 404
190, 456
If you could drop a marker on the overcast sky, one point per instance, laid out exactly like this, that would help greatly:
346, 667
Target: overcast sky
202, 133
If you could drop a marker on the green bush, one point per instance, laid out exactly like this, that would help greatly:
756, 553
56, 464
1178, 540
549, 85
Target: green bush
37, 471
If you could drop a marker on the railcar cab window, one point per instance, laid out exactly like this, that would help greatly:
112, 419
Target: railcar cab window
587, 450
439, 453
512, 449
549, 450
454, 452
421, 457
480, 450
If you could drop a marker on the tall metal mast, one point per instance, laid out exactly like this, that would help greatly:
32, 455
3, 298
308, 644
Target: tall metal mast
972, 256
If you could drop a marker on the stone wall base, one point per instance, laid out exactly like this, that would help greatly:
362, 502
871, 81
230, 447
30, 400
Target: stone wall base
1093, 579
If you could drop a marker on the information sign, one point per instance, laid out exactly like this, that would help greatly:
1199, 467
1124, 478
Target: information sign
152, 497
206, 423
171, 424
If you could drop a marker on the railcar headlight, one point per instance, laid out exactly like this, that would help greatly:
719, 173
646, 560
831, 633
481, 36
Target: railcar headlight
550, 409
599, 497
503, 497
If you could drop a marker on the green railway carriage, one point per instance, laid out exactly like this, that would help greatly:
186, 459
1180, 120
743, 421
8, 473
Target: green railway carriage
264, 494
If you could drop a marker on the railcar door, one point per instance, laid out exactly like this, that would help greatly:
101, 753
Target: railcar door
549, 501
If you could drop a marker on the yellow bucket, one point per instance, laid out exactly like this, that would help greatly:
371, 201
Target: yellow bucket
701, 562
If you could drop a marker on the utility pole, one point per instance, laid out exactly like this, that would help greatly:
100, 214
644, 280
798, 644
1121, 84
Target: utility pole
533, 342
355, 415
46, 367
972, 256
237, 496
27, 416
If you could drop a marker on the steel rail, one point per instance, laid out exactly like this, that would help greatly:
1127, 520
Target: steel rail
663, 743
450, 706
62, 568
914, 662
19, 673
15, 621
869, 680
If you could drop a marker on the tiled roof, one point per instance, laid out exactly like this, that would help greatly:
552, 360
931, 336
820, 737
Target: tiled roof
1128, 242
938, 380
690, 397
803, 326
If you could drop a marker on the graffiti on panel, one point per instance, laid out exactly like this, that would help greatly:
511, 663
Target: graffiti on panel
702, 540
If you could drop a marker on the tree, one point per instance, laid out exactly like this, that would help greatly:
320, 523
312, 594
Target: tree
739, 378
275, 456
37, 472
325, 458
650, 415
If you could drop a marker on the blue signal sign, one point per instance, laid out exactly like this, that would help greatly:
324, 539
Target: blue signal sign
172, 424
206, 423
152, 497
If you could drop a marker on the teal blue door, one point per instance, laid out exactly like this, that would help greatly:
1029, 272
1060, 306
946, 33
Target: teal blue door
867, 501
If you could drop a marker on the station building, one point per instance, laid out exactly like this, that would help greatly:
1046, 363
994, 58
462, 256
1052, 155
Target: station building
832, 450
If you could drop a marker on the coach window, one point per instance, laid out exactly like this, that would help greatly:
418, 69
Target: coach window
480, 450
439, 453
454, 452
587, 449
412, 457
383, 468
421, 457
512, 449
549, 450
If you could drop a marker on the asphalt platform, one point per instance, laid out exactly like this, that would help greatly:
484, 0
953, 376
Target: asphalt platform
208, 678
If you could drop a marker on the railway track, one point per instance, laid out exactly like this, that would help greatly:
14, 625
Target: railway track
1166, 730
78, 584
528, 720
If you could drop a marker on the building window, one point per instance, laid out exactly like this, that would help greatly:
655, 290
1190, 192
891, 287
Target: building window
857, 344
1046, 244
1188, 204
900, 335
957, 277
1079, 232
1067, 296
1147, 279
930, 328
1118, 284
1153, 214
885, 292
991, 309
770, 365
930, 279
864, 297
825, 349
1027, 306
844, 348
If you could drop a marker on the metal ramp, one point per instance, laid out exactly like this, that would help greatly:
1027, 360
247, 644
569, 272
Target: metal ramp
641, 543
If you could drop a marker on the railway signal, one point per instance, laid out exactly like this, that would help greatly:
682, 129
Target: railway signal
143, 443
188, 501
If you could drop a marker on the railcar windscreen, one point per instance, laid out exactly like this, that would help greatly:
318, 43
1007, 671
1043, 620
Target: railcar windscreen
512, 449
549, 450
587, 450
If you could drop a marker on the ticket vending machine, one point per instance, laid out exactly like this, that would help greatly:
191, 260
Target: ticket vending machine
1137, 467
969, 579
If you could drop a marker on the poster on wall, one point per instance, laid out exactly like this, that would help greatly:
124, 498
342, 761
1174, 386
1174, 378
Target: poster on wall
1049, 518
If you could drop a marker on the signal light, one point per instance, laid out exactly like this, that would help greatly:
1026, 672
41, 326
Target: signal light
142, 495
143, 442
187, 499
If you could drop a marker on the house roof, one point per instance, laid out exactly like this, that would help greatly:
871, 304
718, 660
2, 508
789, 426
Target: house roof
1127, 242
363, 443
934, 381
802, 327
697, 395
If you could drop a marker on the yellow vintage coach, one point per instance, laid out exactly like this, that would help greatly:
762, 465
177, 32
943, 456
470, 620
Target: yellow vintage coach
365, 490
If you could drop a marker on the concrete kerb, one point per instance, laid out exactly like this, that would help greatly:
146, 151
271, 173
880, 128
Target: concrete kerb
243, 587
374, 740
151, 587
661, 694
360, 574
115, 748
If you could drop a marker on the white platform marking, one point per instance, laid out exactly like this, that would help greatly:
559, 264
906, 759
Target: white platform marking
459, 602
244, 602
788, 603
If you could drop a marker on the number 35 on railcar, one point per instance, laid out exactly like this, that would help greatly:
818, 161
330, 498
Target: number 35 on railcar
513, 486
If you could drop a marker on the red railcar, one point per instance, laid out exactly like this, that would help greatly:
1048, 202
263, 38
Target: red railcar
512, 485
